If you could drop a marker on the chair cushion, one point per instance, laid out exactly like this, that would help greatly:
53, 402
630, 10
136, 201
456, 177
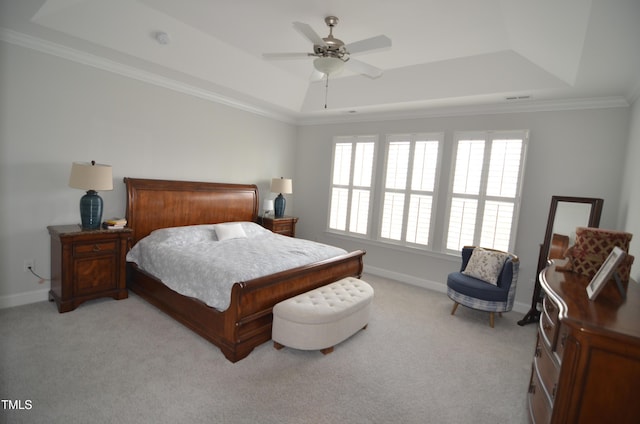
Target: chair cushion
475, 288
485, 265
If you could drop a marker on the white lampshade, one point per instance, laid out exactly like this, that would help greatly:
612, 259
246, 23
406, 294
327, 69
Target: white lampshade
281, 185
267, 206
91, 176
328, 65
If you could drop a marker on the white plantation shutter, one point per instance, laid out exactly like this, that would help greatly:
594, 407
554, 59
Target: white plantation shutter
410, 180
339, 203
352, 179
359, 211
392, 216
496, 225
504, 168
479, 201
419, 219
342, 163
486, 189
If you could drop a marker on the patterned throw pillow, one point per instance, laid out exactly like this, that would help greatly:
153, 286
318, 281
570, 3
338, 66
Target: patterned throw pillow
485, 265
592, 248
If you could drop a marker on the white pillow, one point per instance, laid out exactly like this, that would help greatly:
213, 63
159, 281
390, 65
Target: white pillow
229, 231
485, 265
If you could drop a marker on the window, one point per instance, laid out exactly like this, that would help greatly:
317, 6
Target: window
434, 192
486, 189
351, 184
409, 185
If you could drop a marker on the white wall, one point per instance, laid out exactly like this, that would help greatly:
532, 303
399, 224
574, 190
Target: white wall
630, 204
54, 112
571, 153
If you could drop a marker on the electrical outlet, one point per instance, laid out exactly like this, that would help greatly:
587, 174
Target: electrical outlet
29, 263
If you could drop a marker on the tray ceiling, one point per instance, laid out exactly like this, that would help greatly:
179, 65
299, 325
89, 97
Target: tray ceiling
445, 53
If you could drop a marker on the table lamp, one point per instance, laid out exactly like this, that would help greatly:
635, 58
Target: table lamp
281, 185
91, 176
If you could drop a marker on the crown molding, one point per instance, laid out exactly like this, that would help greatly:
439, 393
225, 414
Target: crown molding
480, 109
88, 59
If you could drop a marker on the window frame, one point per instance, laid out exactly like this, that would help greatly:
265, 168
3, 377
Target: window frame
489, 137
408, 191
351, 187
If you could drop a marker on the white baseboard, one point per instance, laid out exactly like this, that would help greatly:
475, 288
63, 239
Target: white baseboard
24, 298
438, 286
43, 294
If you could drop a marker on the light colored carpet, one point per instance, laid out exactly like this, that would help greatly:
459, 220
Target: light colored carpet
125, 361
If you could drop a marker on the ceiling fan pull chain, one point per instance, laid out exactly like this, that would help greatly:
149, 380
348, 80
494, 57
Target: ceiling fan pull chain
326, 91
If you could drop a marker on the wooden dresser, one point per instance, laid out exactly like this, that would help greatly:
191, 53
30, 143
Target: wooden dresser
586, 366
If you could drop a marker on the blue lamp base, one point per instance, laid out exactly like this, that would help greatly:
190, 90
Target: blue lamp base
91, 210
279, 204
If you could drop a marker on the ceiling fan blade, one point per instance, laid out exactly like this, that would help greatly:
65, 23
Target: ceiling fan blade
363, 68
284, 56
369, 44
309, 33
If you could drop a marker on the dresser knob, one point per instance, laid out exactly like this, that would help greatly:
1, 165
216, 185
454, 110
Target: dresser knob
96, 248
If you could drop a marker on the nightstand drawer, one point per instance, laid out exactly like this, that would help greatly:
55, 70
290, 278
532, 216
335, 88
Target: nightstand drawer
93, 275
97, 247
283, 227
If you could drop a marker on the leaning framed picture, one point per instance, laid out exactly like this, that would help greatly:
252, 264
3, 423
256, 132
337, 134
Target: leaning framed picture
605, 272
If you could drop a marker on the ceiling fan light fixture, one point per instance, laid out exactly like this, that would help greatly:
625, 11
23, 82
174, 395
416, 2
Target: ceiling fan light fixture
328, 65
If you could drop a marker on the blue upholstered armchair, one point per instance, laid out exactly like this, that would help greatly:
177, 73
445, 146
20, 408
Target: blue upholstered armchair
486, 282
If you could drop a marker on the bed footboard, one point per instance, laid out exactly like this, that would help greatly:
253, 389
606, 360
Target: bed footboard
247, 322
253, 301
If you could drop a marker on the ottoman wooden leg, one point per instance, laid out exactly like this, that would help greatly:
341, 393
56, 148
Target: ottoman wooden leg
327, 350
277, 345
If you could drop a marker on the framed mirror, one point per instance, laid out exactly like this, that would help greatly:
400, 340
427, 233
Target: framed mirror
565, 214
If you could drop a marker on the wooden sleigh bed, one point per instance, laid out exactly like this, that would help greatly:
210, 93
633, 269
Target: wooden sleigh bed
155, 204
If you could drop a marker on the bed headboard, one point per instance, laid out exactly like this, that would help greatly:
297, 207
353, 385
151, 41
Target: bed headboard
153, 204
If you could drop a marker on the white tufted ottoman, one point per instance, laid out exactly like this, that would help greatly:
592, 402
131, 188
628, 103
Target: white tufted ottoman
321, 318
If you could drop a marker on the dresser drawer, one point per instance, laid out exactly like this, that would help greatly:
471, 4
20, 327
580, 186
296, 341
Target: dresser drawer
548, 322
539, 407
563, 334
96, 247
547, 370
550, 309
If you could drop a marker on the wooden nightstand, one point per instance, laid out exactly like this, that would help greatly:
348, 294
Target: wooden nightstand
285, 225
86, 265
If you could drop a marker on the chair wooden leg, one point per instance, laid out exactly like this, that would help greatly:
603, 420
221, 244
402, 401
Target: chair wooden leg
455, 306
491, 319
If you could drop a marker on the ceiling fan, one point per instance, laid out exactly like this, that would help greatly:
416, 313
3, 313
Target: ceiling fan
332, 55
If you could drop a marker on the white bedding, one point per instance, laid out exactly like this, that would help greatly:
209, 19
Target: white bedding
193, 261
